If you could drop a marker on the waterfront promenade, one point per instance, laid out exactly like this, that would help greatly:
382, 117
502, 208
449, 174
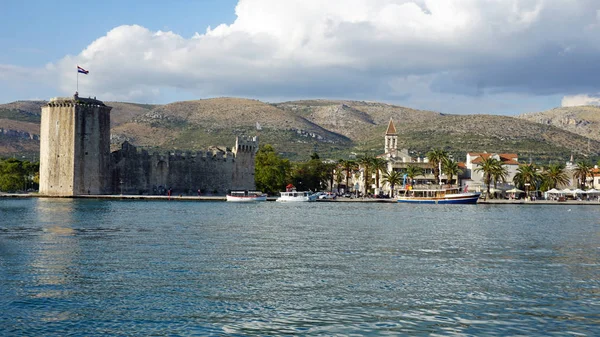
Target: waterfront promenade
223, 198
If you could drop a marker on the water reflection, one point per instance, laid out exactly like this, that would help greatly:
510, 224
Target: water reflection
56, 249
175, 268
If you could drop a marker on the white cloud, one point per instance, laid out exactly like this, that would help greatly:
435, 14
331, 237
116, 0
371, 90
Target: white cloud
577, 100
363, 49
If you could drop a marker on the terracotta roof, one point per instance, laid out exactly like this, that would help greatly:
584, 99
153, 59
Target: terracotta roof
505, 161
391, 130
462, 165
506, 158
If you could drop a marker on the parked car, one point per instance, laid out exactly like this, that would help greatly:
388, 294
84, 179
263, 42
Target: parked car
327, 195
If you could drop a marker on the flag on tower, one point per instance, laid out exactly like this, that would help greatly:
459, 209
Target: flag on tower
81, 70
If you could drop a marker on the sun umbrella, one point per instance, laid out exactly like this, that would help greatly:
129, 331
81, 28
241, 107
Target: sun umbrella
515, 190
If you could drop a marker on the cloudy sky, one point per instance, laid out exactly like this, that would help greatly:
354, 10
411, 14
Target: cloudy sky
453, 56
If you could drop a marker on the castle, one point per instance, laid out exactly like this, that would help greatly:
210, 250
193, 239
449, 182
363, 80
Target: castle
75, 158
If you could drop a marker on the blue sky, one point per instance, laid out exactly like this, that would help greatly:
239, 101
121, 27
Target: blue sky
452, 56
36, 32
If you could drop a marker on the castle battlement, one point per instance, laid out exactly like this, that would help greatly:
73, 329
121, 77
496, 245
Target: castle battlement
75, 100
246, 144
76, 158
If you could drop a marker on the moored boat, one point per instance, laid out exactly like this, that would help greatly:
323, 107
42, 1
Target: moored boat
439, 196
297, 196
246, 196
292, 195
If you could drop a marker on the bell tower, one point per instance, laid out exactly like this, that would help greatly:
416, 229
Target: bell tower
391, 140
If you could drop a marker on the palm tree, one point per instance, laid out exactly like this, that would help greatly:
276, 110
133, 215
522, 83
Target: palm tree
348, 166
527, 175
555, 175
581, 172
366, 162
413, 171
500, 173
393, 178
330, 168
489, 166
451, 169
379, 165
436, 157
339, 176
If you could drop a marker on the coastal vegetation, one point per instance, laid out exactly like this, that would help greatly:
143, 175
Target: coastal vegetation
273, 173
18, 176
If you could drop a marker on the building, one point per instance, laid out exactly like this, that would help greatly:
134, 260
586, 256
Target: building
75, 147
475, 180
75, 158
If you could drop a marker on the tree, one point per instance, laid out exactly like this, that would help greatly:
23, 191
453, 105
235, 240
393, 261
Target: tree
393, 178
331, 172
451, 169
271, 173
339, 177
527, 175
412, 172
311, 175
581, 172
366, 163
348, 166
379, 165
500, 173
436, 157
555, 175
16, 175
489, 166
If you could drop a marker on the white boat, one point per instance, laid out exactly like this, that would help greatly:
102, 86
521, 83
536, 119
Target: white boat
294, 196
246, 196
439, 196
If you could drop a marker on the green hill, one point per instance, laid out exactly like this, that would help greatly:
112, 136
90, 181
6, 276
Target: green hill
332, 128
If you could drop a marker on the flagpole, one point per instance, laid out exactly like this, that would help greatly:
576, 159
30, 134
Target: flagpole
77, 91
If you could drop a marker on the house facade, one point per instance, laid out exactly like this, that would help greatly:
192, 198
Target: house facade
475, 178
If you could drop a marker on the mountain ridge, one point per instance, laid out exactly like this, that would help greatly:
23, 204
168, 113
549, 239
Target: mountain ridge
333, 128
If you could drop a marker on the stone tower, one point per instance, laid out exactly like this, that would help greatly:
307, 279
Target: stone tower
243, 169
391, 140
75, 147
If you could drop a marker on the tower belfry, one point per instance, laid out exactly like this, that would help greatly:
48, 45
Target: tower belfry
391, 140
75, 147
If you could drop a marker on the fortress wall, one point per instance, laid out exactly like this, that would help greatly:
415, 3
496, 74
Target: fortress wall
183, 173
75, 158
130, 170
56, 150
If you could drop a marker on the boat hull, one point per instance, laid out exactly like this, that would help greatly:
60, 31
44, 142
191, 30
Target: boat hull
295, 196
246, 198
464, 198
295, 199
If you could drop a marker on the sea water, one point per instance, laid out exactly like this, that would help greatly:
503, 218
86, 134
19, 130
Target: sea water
169, 268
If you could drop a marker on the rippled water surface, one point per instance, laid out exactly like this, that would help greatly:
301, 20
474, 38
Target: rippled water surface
90, 268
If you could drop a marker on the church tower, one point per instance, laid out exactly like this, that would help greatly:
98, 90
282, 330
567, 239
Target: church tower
391, 140
75, 147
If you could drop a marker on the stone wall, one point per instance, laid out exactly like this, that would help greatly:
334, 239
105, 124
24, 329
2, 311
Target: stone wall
75, 158
136, 171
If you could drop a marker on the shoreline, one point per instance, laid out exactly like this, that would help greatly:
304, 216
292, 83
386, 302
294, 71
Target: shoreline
223, 198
